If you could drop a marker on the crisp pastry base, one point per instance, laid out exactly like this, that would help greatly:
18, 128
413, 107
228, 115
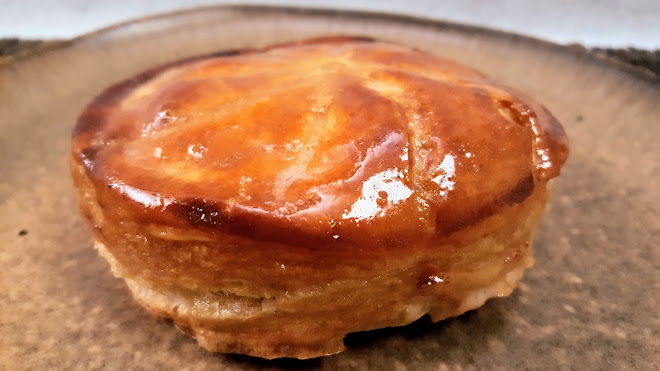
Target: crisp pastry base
302, 325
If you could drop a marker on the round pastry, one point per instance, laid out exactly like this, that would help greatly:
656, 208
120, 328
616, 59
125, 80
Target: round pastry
272, 201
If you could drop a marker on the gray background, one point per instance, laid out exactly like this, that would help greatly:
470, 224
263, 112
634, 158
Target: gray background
608, 23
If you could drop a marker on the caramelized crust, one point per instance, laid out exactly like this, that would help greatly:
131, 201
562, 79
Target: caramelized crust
262, 174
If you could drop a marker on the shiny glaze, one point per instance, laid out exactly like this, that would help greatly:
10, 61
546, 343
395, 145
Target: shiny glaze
334, 141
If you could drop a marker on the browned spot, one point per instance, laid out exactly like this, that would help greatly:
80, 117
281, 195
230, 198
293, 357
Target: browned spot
520, 193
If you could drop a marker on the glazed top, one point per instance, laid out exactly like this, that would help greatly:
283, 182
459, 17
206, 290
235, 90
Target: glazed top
326, 138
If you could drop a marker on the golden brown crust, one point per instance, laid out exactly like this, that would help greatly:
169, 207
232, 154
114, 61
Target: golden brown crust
258, 173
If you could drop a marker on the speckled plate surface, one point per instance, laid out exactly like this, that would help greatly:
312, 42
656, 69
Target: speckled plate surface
590, 301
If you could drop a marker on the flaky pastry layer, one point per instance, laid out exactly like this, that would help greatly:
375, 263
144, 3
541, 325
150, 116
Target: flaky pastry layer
311, 320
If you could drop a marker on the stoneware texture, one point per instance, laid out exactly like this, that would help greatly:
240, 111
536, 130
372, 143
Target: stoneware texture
591, 300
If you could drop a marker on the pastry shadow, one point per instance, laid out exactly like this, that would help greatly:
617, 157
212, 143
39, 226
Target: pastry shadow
434, 341
249, 362
470, 330
352, 340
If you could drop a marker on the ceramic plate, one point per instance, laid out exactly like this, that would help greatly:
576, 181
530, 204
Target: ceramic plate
591, 300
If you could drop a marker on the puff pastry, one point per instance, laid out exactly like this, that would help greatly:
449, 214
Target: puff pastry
272, 201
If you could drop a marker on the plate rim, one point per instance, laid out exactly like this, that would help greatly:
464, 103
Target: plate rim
578, 51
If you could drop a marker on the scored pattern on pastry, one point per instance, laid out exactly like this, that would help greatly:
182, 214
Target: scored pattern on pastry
341, 133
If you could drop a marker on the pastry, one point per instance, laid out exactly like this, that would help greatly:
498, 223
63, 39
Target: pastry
271, 201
